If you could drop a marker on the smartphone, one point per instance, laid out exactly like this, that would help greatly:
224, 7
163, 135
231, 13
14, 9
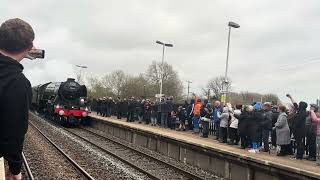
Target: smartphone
37, 53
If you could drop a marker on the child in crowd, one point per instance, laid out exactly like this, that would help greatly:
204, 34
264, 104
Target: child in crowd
233, 128
224, 124
181, 117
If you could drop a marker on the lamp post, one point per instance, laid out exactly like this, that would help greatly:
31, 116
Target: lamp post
189, 82
162, 71
80, 67
225, 83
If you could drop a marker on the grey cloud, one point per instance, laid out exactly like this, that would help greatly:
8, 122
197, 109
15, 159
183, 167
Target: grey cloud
269, 53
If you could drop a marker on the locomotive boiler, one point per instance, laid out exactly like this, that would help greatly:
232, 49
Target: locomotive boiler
65, 102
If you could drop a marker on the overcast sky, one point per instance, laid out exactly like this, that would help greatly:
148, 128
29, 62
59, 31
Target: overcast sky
275, 50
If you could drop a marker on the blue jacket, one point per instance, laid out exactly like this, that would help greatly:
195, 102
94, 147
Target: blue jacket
216, 114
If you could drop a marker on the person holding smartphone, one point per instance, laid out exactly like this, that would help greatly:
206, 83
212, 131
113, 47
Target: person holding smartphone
16, 41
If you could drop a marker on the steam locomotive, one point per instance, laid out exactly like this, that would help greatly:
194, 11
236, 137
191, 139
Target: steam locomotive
64, 102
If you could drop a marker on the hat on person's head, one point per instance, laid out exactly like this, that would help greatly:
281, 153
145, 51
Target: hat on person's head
267, 104
208, 105
257, 106
303, 105
316, 107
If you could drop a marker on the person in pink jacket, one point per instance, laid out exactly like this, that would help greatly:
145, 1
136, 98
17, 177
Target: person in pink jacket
315, 117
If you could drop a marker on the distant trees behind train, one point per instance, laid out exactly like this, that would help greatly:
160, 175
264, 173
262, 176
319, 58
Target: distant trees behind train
215, 92
121, 84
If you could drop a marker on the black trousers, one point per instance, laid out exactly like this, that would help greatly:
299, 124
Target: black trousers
265, 139
13, 154
311, 144
300, 147
217, 129
285, 149
233, 135
190, 126
244, 140
130, 117
119, 114
223, 134
273, 138
205, 128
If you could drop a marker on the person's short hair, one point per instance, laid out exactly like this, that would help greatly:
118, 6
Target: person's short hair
249, 108
239, 106
282, 108
16, 35
268, 105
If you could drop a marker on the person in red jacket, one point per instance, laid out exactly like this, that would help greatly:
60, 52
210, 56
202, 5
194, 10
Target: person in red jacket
196, 115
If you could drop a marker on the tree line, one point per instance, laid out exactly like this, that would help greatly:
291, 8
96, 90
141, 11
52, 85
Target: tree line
146, 84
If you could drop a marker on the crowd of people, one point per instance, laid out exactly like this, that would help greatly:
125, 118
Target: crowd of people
257, 127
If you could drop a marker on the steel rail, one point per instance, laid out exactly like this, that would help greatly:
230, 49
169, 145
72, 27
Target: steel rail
26, 165
114, 155
189, 174
76, 165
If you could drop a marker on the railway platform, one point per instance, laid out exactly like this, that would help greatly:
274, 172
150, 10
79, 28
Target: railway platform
2, 170
228, 161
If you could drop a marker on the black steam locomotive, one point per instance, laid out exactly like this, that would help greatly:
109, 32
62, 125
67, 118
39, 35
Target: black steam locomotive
64, 102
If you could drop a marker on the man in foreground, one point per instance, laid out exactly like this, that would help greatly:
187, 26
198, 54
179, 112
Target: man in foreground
16, 40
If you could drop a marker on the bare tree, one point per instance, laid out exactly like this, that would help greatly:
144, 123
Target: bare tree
96, 88
271, 98
115, 81
172, 85
215, 84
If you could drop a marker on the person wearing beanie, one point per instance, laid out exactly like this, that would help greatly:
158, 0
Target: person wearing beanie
255, 130
299, 125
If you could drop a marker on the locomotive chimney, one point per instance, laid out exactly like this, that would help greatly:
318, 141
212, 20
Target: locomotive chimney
70, 79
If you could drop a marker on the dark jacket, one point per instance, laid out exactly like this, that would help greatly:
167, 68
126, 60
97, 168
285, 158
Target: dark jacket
154, 110
266, 122
15, 98
131, 106
182, 115
244, 120
299, 120
255, 130
164, 107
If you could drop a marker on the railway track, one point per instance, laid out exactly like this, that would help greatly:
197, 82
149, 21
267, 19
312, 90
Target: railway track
155, 168
148, 165
27, 168
96, 162
84, 174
